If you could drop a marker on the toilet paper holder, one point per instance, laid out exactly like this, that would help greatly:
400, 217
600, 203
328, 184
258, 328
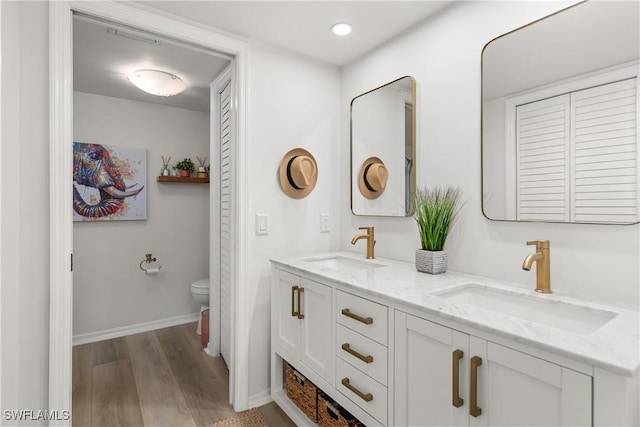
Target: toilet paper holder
149, 258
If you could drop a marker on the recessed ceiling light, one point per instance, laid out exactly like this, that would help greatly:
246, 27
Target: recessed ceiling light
157, 82
341, 29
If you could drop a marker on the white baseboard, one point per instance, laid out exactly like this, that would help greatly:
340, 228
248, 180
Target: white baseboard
134, 329
260, 399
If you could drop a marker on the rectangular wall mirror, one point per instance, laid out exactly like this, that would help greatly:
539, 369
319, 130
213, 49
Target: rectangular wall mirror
560, 117
383, 135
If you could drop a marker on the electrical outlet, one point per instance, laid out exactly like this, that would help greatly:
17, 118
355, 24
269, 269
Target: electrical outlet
324, 223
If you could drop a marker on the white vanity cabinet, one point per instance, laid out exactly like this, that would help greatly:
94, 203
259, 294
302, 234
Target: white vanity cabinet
385, 344
302, 321
305, 330
444, 377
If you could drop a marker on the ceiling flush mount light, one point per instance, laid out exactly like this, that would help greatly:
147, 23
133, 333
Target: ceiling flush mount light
341, 29
157, 82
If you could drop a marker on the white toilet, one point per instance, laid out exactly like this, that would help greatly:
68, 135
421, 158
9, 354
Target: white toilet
200, 292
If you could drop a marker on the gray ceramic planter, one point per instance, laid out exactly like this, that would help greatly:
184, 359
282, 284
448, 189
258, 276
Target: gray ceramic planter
431, 262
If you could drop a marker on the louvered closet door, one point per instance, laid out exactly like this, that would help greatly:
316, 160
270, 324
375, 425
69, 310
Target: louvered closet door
606, 153
543, 159
225, 223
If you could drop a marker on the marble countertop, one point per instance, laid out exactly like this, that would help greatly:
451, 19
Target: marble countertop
615, 346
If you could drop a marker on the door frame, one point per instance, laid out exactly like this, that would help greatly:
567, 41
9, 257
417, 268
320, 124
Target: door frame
60, 173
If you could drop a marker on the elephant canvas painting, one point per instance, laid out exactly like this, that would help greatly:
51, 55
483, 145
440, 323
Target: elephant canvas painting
109, 182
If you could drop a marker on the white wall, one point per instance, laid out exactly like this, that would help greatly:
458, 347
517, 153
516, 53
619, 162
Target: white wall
110, 290
25, 204
443, 55
294, 103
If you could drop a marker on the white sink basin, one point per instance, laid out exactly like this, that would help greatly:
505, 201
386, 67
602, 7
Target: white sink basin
344, 264
558, 314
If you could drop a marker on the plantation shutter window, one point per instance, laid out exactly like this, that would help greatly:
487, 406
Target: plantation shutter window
605, 140
577, 156
543, 159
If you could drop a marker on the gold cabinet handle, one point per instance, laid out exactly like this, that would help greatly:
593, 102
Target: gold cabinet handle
294, 313
366, 359
457, 401
368, 397
300, 315
474, 409
365, 320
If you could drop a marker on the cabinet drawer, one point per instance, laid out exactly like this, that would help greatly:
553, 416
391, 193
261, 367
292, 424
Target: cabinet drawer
363, 316
351, 347
362, 390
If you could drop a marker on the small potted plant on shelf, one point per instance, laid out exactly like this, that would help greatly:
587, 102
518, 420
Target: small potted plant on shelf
186, 166
435, 211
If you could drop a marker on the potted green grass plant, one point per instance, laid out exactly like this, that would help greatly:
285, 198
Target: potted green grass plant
436, 209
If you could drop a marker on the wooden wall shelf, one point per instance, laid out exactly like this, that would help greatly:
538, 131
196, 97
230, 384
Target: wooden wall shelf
191, 180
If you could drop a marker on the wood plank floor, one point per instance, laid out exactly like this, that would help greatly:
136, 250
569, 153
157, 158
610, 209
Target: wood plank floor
154, 379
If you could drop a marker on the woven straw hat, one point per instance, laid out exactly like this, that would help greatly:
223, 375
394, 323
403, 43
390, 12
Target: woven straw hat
298, 173
372, 178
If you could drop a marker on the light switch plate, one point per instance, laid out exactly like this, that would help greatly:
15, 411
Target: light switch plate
325, 227
262, 225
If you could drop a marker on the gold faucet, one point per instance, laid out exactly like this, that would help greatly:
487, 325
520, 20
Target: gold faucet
370, 241
543, 277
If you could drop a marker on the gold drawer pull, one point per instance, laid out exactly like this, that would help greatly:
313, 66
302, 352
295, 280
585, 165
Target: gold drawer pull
365, 320
300, 315
366, 359
474, 409
366, 397
457, 401
294, 313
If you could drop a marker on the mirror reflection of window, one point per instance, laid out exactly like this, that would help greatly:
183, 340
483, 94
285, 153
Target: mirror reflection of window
579, 162
575, 156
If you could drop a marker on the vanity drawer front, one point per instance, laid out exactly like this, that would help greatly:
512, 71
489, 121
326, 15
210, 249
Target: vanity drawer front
353, 347
363, 316
362, 390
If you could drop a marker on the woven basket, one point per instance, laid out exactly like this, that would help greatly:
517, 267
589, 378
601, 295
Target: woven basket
302, 392
330, 414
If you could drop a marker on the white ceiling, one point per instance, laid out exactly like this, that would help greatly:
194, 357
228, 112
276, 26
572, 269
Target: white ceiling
102, 60
304, 26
